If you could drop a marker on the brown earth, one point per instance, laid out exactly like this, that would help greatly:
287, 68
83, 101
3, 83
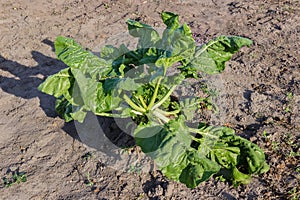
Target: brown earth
262, 85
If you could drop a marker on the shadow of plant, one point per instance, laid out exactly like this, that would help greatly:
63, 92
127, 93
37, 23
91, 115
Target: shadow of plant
23, 81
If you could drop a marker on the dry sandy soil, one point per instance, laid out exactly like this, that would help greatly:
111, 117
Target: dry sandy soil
262, 93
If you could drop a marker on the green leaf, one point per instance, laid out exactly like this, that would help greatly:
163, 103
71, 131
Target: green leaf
188, 71
115, 57
109, 52
235, 176
87, 69
149, 56
146, 34
188, 107
150, 136
198, 170
239, 177
252, 158
126, 84
78, 114
167, 145
210, 58
92, 94
210, 137
68, 111
147, 91
88, 89
171, 20
177, 41
64, 108
172, 80
58, 84
76, 57
61, 85
225, 155
238, 157
106, 102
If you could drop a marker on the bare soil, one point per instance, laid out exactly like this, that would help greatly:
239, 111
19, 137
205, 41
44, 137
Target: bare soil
262, 86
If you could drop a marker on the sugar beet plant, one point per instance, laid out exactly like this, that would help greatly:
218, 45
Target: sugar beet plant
134, 83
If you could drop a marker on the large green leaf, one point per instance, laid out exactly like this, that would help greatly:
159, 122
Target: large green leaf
58, 84
167, 146
225, 155
238, 157
170, 147
79, 84
198, 170
210, 137
73, 55
93, 95
177, 41
87, 89
252, 158
210, 58
62, 85
109, 52
126, 84
146, 34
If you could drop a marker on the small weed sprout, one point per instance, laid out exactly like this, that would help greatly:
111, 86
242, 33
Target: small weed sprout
15, 177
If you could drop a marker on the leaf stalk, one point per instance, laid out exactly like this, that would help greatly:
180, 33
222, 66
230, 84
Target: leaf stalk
164, 98
133, 105
152, 101
194, 130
